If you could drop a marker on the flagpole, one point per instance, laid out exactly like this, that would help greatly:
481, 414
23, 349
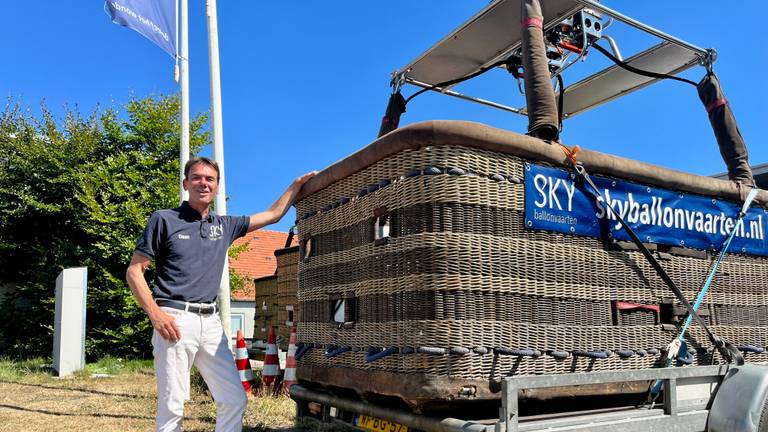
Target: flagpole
218, 152
184, 84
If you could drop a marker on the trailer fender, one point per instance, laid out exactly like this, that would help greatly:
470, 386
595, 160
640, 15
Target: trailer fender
739, 404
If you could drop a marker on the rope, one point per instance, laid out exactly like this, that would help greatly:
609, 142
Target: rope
431, 350
517, 352
570, 153
459, 351
625, 353
686, 359
301, 351
727, 350
560, 355
374, 355
751, 349
337, 351
602, 354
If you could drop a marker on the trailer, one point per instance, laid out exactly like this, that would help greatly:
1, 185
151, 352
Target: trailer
700, 398
447, 284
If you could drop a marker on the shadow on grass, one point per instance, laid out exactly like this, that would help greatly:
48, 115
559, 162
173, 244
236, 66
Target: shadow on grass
54, 413
96, 392
93, 392
100, 415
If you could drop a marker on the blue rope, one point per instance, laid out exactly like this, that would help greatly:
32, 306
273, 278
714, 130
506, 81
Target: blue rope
459, 351
337, 351
372, 356
751, 349
723, 250
687, 359
517, 352
480, 350
431, 350
625, 353
560, 355
301, 351
602, 354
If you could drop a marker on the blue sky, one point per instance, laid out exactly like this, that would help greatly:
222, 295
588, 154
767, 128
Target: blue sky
306, 83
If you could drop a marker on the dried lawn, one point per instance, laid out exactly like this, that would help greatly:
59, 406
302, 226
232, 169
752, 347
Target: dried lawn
32, 399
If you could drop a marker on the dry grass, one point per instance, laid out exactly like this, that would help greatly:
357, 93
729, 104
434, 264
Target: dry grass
31, 399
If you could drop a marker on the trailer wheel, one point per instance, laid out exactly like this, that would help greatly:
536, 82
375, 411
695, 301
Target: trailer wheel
762, 426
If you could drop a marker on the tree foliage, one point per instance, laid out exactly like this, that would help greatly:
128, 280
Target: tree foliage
78, 194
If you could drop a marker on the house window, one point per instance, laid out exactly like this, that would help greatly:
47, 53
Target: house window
236, 323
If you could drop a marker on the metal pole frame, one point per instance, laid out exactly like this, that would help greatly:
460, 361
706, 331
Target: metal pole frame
184, 89
463, 96
218, 154
706, 56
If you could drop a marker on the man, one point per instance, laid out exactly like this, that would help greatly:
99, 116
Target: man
189, 245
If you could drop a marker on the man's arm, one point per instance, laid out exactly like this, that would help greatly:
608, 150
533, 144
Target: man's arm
281, 206
161, 321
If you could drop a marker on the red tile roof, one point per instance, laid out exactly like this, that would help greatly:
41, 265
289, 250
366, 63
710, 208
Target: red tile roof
258, 260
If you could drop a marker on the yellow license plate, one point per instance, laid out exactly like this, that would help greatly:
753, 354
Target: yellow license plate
378, 425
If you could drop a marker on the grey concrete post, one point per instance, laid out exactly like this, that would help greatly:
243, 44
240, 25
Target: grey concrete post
69, 322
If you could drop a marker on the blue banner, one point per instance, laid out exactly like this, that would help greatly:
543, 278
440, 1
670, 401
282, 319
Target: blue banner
556, 201
155, 19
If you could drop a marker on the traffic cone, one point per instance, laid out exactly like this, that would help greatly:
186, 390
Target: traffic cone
289, 376
271, 364
243, 365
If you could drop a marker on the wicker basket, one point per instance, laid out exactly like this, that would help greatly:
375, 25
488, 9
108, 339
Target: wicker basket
287, 305
266, 306
418, 278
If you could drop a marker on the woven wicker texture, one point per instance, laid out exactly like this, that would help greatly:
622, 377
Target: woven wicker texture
266, 307
287, 304
456, 275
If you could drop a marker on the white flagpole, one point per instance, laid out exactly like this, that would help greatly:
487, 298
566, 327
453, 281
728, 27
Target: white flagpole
184, 84
218, 152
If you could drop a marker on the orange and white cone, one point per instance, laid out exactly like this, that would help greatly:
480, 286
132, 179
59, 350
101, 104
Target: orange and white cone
289, 376
271, 363
243, 365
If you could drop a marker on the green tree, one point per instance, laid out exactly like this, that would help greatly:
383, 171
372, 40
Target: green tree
79, 194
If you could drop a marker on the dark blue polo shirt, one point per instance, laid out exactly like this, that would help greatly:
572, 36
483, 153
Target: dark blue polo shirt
189, 251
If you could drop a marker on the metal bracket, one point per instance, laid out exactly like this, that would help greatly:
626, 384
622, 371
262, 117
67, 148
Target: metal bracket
397, 81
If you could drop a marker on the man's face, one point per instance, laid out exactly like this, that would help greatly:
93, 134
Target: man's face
201, 184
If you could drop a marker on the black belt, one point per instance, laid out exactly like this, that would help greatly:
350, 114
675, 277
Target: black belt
174, 304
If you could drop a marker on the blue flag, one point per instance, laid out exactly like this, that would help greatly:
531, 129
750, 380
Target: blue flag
155, 19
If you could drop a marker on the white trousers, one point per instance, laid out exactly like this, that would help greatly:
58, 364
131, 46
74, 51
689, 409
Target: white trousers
204, 345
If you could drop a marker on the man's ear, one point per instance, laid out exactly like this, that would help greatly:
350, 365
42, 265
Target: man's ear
184, 184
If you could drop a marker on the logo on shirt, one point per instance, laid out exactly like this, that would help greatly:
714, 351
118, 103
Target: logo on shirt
183, 236
215, 232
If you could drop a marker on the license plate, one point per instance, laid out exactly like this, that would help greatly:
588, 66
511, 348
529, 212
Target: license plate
378, 425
